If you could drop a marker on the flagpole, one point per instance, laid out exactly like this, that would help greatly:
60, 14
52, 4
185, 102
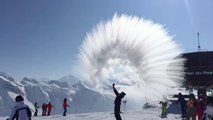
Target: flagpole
198, 41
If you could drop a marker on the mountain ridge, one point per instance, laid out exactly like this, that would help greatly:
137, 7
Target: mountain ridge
81, 98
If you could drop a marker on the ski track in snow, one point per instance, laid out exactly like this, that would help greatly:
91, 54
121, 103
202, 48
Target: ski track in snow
139, 115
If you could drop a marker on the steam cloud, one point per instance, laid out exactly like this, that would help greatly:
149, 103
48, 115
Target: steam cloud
136, 54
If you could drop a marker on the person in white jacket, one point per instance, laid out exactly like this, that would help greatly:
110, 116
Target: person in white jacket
209, 111
20, 111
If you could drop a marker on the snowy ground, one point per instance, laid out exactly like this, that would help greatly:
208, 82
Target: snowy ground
148, 114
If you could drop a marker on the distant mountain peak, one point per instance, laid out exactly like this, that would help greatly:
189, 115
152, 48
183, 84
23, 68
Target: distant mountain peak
30, 80
62, 84
5, 75
70, 79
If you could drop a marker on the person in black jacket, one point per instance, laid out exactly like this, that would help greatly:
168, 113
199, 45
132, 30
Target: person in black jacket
182, 102
44, 111
117, 102
36, 109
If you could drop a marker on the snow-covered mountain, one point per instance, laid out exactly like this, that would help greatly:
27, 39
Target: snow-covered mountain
87, 100
80, 97
70, 79
8, 89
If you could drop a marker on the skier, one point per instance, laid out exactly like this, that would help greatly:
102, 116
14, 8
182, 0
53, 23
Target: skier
182, 102
44, 109
65, 105
49, 108
36, 109
117, 102
21, 111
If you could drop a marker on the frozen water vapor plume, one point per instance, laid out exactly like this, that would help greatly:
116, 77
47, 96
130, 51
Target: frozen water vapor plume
136, 54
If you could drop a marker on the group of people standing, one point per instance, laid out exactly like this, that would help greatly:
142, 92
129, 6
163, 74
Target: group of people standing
193, 107
21, 111
190, 109
46, 109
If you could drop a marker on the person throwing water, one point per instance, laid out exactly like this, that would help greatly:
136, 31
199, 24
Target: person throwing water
117, 102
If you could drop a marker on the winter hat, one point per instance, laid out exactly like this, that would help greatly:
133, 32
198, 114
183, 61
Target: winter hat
122, 94
19, 98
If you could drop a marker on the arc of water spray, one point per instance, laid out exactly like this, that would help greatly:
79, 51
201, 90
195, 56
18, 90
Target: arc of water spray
137, 54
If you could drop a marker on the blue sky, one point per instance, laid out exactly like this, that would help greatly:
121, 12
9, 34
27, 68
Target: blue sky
40, 38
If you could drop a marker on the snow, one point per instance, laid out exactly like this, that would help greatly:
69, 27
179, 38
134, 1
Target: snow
12, 95
151, 114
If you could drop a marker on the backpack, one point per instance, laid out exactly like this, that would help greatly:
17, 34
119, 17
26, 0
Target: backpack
16, 115
190, 104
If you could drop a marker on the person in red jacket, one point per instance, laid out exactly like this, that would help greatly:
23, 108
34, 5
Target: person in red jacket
201, 106
65, 105
49, 108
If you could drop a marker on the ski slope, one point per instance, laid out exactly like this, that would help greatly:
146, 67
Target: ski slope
148, 114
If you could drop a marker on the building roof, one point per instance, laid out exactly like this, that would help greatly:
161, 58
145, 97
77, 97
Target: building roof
199, 68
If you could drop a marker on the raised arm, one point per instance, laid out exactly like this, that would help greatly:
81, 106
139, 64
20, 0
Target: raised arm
115, 91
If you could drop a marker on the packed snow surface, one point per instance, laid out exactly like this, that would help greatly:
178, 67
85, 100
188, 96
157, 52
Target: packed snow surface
151, 114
